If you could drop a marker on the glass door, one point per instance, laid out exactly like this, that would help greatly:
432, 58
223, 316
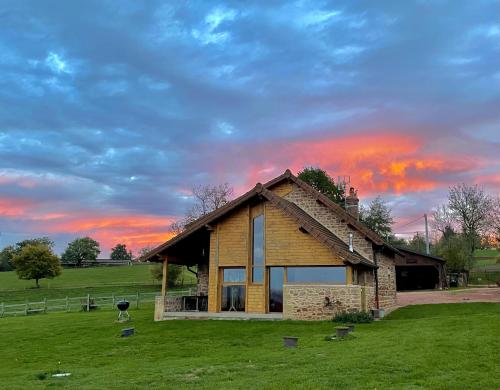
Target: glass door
233, 289
276, 279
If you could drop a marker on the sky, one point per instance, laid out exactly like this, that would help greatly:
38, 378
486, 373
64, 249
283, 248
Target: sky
111, 111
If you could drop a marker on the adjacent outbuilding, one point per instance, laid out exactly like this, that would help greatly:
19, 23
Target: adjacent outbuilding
419, 271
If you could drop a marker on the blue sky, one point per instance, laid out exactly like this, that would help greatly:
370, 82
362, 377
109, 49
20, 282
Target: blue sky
111, 111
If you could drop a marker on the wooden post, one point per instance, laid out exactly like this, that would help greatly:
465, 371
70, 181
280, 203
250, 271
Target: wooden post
164, 279
67, 303
88, 302
45, 305
1, 309
137, 302
113, 302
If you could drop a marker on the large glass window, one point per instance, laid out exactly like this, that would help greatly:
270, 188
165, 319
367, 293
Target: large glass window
258, 249
234, 275
335, 275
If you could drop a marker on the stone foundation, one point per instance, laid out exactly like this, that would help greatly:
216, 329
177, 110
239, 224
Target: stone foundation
173, 304
322, 302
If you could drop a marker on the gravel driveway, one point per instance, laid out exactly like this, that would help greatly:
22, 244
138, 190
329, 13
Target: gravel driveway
445, 296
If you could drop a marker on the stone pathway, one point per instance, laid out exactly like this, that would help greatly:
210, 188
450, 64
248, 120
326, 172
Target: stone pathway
491, 294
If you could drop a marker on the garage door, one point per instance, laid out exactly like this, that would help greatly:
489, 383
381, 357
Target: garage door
416, 278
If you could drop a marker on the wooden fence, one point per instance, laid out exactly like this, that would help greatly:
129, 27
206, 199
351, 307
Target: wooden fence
85, 303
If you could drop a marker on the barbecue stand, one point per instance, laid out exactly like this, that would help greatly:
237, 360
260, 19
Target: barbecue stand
123, 316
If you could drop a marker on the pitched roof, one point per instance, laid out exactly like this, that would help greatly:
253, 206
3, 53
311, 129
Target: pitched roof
316, 229
334, 207
403, 249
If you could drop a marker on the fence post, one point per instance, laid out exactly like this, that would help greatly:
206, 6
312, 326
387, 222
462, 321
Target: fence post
1, 309
113, 303
26, 308
88, 302
45, 304
67, 303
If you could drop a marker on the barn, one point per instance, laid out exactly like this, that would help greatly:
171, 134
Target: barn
419, 271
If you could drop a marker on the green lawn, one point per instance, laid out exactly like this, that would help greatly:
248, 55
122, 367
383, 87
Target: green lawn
486, 252
432, 347
83, 281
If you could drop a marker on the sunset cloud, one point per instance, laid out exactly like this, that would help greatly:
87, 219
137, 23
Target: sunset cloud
110, 143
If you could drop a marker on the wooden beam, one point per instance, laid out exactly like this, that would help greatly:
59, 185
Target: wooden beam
164, 278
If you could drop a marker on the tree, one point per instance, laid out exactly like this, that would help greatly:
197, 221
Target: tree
443, 220
119, 252
8, 252
207, 199
6, 256
377, 216
80, 250
173, 274
417, 243
472, 208
35, 241
144, 251
318, 179
455, 250
36, 261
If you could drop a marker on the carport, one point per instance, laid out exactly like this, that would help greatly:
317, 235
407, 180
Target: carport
418, 271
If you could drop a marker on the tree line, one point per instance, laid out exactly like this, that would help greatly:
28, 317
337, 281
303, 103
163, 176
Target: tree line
34, 259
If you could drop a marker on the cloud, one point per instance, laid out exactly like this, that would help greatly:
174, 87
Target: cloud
56, 63
160, 97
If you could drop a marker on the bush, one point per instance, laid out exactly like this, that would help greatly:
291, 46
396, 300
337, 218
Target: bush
174, 273
356, 317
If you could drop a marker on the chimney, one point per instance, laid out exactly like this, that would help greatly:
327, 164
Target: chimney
352, 203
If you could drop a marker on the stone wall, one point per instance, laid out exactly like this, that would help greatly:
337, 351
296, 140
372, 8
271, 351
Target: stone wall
322, 302
386, 281
173, 304
330, 220
202, 282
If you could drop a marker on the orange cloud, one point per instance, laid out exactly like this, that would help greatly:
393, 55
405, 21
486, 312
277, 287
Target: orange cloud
13, 208
136, 231
383, 162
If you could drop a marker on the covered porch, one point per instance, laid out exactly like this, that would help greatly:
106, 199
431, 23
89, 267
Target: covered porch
192, 253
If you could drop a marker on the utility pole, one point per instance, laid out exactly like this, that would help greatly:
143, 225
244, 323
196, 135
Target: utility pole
427, 249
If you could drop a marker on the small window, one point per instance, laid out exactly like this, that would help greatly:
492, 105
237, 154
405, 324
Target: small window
234, 275
258, 249
330, 275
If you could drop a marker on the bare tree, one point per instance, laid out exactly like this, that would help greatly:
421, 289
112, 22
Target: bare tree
207, 199
472, 208
495, 226
443, 220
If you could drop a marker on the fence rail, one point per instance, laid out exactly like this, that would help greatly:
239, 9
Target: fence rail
83, 303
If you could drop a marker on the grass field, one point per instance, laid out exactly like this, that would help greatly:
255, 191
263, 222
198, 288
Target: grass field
433, 347
83, 281
486, 252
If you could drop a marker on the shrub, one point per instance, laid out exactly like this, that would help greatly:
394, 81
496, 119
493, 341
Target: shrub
174, 273
355, 317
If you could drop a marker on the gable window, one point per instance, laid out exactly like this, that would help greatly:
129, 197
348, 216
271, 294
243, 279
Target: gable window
328, 275
258, 249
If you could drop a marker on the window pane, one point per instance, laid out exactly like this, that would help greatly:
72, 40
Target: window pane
258, 240
233, 298
234, 275
258, 275
316, 275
